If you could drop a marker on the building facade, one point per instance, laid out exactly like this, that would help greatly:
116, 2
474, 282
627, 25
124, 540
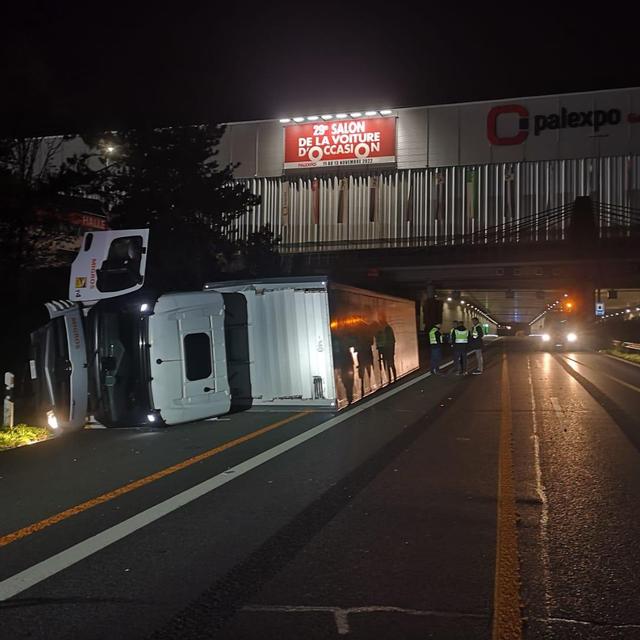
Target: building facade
428, 175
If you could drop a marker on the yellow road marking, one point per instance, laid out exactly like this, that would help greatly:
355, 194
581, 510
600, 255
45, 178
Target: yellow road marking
622, 382
507, 620
136, 484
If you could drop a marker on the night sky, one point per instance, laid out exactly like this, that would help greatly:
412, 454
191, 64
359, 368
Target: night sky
77, 67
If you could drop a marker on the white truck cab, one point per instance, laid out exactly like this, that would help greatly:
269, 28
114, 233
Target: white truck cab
187, 356
123, 355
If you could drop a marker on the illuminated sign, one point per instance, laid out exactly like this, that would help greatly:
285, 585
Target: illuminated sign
341, 143
564, 119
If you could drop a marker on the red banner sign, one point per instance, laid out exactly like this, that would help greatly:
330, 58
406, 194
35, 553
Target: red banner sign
340, 143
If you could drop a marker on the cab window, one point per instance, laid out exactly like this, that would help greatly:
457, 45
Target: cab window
197, 353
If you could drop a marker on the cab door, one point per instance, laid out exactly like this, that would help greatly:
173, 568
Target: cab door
198, 358
109, 264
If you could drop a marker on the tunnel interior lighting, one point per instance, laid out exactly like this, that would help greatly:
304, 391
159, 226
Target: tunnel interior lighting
572, 337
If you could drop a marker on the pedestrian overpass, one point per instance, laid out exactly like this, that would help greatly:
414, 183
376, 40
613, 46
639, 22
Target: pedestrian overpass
579, 247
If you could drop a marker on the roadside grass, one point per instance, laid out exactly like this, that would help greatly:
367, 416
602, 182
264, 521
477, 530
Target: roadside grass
20, 435
631, 357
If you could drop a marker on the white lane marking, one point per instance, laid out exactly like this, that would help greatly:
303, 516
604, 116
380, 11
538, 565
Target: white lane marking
542, 495
341, 615
60, 561
589, 623
582, 364
555, 403
634, 364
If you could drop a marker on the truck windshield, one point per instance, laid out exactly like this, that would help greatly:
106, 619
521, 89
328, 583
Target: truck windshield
120, 355
50, 351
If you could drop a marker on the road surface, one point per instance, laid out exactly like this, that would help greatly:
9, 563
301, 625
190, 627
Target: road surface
501, 505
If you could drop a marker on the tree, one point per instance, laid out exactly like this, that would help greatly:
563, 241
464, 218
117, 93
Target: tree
169, 181
31, 185
32, 236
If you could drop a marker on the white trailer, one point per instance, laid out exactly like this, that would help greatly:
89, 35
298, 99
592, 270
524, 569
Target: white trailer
310, 342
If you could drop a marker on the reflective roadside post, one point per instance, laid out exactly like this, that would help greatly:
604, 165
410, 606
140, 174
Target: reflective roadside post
7, 405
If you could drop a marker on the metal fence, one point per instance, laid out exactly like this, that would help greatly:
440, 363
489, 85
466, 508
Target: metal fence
441, 206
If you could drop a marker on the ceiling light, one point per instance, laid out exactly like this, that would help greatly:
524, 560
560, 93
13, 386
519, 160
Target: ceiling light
370, 113
385, 112
298, 119
327, 116
313, 118
285, 120
356, 114
341, 115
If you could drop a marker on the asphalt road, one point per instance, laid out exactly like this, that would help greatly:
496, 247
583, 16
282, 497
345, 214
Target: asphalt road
390, 520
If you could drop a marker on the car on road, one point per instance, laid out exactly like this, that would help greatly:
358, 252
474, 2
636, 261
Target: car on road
561, 334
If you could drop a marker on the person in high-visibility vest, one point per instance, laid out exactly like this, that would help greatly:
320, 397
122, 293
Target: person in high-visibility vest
460, 341
475, 345
435, 347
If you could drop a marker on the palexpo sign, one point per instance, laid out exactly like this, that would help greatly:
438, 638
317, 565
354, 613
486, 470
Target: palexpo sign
364, 141
595, 120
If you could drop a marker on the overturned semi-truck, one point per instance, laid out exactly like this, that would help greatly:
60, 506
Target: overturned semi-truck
128, 357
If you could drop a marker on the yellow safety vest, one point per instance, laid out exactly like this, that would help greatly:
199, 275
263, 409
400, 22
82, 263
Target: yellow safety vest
461, 337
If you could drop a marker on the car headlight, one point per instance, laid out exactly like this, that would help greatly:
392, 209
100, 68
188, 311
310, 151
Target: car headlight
52, 421
546, 337
572, 337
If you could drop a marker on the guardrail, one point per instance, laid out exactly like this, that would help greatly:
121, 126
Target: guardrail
629, 347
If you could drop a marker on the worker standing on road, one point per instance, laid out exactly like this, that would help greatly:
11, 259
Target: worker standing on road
435, 347
475, 345
460, 342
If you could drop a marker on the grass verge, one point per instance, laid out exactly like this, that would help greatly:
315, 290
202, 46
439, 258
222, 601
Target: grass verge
20, 435
631, 357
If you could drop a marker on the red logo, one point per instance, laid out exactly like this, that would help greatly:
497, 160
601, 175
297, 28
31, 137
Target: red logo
492, 124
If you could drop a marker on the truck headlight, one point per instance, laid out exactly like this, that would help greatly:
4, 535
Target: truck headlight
52, 421
571, 337
546, 337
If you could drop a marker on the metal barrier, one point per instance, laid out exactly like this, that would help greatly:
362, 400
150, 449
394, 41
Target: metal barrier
627, 347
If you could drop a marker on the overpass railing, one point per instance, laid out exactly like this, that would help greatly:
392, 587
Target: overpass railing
608, 222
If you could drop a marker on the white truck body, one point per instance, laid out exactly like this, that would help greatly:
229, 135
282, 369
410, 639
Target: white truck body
312, 342
131, 358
